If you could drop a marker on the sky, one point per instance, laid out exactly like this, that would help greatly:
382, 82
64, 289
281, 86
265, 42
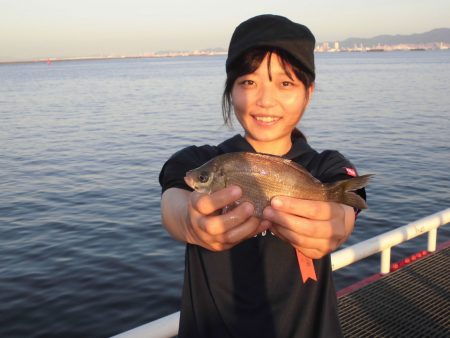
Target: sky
40, 29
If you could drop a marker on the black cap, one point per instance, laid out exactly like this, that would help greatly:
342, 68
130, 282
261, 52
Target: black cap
273, 31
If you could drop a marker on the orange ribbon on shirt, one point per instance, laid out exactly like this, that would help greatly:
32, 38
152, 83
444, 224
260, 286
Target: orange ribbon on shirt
306, 267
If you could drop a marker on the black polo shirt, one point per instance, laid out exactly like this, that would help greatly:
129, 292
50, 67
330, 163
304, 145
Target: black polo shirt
255, 289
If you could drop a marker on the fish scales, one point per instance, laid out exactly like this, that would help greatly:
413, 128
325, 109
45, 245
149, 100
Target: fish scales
262, 177
279, 177
260, 185
259, 190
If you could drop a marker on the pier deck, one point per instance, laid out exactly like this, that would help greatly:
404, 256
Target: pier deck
413, 301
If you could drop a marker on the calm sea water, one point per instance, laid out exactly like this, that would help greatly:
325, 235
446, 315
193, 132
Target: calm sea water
82, 249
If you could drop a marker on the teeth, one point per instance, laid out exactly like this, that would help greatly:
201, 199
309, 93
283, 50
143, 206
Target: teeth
266, 118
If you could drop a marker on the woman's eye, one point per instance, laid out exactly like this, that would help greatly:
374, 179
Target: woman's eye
286, 83
248, 82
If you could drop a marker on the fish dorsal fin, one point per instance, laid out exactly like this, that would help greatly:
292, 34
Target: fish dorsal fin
274, 160
284, 161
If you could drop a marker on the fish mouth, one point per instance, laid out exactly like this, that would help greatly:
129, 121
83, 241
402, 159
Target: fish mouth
189, 181
266, 120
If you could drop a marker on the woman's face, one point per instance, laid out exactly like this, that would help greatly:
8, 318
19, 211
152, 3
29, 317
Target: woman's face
269, 105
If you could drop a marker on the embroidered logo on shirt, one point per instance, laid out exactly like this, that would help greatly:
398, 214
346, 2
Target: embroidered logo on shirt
350, 171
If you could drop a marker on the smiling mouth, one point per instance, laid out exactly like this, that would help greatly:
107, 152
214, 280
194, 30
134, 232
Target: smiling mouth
266, 119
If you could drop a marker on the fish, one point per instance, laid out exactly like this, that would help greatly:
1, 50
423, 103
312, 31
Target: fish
262, 176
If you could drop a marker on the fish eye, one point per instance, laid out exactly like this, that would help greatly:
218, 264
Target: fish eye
203, 177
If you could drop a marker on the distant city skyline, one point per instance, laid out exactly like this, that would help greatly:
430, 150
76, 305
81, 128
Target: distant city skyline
32, 29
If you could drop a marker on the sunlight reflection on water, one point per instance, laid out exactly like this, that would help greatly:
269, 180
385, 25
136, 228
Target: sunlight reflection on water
83, 144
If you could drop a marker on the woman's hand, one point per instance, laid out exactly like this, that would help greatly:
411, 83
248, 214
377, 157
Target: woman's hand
201, 220
313, 227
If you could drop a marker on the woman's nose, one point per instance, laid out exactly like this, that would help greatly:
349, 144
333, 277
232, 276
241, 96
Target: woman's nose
266, 96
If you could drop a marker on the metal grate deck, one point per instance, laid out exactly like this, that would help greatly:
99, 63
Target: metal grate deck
413, 301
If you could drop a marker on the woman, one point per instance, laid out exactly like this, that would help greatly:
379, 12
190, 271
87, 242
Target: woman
242, 276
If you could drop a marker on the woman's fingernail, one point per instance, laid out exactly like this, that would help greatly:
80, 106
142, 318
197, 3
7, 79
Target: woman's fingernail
249, 209
276, 202
235, 191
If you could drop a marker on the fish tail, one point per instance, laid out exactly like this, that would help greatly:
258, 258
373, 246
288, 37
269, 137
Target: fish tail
343, 191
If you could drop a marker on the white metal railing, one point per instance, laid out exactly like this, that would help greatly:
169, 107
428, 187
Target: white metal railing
384, 242
166, 327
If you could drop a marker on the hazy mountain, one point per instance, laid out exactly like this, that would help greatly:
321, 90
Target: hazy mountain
434, 36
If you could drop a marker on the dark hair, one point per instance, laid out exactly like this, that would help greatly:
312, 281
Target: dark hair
248, 62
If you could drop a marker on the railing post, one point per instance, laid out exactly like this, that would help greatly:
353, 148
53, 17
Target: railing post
432, 239
385, 261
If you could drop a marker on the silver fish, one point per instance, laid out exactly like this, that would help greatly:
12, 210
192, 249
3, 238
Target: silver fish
262, 177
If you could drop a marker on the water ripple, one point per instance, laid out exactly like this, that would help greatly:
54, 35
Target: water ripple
82, 246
